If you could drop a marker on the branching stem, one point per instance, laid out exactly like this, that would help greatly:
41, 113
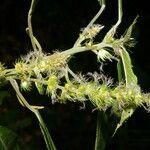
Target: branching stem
112, 31
78, 41
48, 140
75, 50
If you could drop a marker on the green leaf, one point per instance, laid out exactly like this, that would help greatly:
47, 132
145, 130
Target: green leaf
124, 116
47, 137
8, 139
128, 34
130, 77
125, 70
101, 131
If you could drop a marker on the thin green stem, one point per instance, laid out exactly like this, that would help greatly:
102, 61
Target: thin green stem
75, 50
112, 31
79, 40
30, 25
96, 17
120, 71
74, 75
24, 102
66, 75
11, 73
120, 13
35, 41
48, 140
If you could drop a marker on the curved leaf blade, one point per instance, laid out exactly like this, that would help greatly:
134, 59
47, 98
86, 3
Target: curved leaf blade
130, 77
124, 116
101, 131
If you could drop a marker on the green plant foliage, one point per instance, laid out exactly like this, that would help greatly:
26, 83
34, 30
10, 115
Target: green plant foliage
52, 76
129, 41
126, 113
8, 139
124, 66
130, 77
101, 131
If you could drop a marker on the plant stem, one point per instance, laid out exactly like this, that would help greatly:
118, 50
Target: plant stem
78, 41
120, 71
120, 13
48, 140
10, 73
112, 31
30, 25
75, 50
96, 16
102, 131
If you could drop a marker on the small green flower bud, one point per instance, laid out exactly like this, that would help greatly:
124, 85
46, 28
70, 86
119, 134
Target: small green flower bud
20, 67
26, 85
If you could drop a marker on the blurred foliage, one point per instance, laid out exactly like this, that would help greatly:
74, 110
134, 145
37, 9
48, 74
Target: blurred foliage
8, 139
3, 94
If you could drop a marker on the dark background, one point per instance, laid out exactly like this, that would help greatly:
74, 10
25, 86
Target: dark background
56, 25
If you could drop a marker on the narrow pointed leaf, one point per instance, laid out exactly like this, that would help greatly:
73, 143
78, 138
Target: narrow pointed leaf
130, 77
101, 131
125, 66
124, 116
128, 33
